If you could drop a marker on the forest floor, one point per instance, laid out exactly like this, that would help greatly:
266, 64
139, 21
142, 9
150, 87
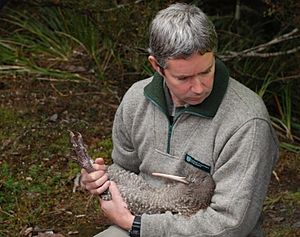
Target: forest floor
37, 174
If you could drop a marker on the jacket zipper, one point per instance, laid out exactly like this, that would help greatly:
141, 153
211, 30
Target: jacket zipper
170, 130
171, 122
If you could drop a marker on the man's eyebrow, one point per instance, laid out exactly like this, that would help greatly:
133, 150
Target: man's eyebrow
208, 69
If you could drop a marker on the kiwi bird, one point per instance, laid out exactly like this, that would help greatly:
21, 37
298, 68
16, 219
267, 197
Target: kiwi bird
182, 195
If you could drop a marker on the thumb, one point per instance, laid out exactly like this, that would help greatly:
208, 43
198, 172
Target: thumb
113, 188
115, 193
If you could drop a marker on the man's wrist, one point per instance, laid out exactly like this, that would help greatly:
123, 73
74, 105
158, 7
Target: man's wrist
135, 230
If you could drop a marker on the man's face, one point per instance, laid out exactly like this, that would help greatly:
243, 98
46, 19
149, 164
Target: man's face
190, 80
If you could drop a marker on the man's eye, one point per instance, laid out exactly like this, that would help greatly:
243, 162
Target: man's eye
204, 73
183, 78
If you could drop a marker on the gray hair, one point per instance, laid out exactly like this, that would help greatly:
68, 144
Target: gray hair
179, 31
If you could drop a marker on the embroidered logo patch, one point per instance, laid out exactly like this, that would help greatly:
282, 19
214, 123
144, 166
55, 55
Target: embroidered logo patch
196, 163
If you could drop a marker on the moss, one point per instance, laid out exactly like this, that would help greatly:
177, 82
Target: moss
283, 232
102, 148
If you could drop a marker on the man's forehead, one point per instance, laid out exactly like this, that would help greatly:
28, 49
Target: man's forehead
190, 65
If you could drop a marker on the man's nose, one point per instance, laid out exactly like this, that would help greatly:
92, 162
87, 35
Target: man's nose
197, 86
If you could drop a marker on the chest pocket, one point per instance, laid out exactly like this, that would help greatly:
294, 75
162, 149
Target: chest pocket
197, 164
162, 162
165, 163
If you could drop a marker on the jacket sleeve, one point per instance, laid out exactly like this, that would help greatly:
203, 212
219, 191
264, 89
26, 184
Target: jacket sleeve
124, 153
242, 172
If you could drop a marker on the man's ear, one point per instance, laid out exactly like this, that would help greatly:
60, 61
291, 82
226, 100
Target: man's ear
152, 60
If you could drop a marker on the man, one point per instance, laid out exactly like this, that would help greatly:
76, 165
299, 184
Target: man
190, 116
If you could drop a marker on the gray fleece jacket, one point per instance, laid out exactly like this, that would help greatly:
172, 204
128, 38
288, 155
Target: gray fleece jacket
228, 135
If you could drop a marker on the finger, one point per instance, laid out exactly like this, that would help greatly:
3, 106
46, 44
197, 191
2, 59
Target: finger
83, 178
100, 167
116, 197
99, 164
83, 172
101, 189
96, 167
99, 161
96, 183
91, 177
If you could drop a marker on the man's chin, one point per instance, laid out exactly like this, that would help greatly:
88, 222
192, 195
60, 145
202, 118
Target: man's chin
194, 102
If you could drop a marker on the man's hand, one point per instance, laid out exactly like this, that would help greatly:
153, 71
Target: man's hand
116, 209
96, 182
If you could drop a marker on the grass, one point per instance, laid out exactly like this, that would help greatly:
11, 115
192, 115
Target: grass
35, 175
47, 40
287, 202
14, 184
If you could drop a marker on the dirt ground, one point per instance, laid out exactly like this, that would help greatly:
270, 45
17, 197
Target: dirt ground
36, 115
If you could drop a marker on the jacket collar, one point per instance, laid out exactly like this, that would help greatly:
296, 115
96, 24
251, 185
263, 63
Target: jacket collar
208, 108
